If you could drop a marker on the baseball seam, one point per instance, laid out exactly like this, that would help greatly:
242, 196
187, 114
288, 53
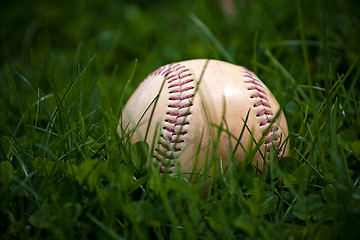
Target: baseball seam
160, 71
263, 107
181, 89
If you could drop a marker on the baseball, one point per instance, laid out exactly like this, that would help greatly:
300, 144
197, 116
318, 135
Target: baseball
183, 108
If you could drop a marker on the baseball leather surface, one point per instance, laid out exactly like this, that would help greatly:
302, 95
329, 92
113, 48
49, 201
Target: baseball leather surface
191, 104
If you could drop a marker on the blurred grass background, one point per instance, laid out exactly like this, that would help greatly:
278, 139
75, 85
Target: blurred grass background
65, 173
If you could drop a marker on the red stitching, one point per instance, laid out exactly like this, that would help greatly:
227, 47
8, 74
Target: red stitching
174, 132
266, 121
274, 129
182, 90
180, 85
257, 89
181, 98
161, 161
264, 111
176, 123
276, 138
258, 95
256, 85
160, 71
252, 81
261, 103
167, 147
182, 71
164, 154
178, 66
171, 140
178, 115
180, 106
172, 78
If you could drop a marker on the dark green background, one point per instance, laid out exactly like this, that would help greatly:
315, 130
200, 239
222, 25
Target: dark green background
64, 171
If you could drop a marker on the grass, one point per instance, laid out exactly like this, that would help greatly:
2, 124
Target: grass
67, 69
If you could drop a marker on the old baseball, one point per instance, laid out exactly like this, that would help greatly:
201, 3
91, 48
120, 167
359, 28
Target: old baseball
182, 108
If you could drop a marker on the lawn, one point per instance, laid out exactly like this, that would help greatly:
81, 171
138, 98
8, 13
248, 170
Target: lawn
68, 68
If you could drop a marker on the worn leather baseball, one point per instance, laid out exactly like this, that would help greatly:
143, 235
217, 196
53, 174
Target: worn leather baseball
192, 104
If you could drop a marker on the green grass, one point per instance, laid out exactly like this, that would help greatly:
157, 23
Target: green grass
65, 173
